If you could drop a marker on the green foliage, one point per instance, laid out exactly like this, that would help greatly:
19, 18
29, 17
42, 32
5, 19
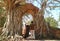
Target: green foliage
1, 10
52, 21
2, 17
2, 21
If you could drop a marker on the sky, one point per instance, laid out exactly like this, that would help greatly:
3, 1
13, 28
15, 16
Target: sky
55, 12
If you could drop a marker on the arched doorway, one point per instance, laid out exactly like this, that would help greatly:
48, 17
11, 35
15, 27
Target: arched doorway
27, 21
28, 8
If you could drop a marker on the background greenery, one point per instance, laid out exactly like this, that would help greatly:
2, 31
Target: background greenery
52, 22
2, 17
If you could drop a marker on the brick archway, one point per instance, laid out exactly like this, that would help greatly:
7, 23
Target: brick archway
29, 9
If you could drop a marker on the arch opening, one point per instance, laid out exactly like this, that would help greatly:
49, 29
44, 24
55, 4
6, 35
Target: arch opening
27, 25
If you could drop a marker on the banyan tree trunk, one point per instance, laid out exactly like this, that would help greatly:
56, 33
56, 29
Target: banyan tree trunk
17, 19
41, 29
14, 22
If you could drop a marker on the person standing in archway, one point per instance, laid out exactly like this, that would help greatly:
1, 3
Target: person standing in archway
25, 31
